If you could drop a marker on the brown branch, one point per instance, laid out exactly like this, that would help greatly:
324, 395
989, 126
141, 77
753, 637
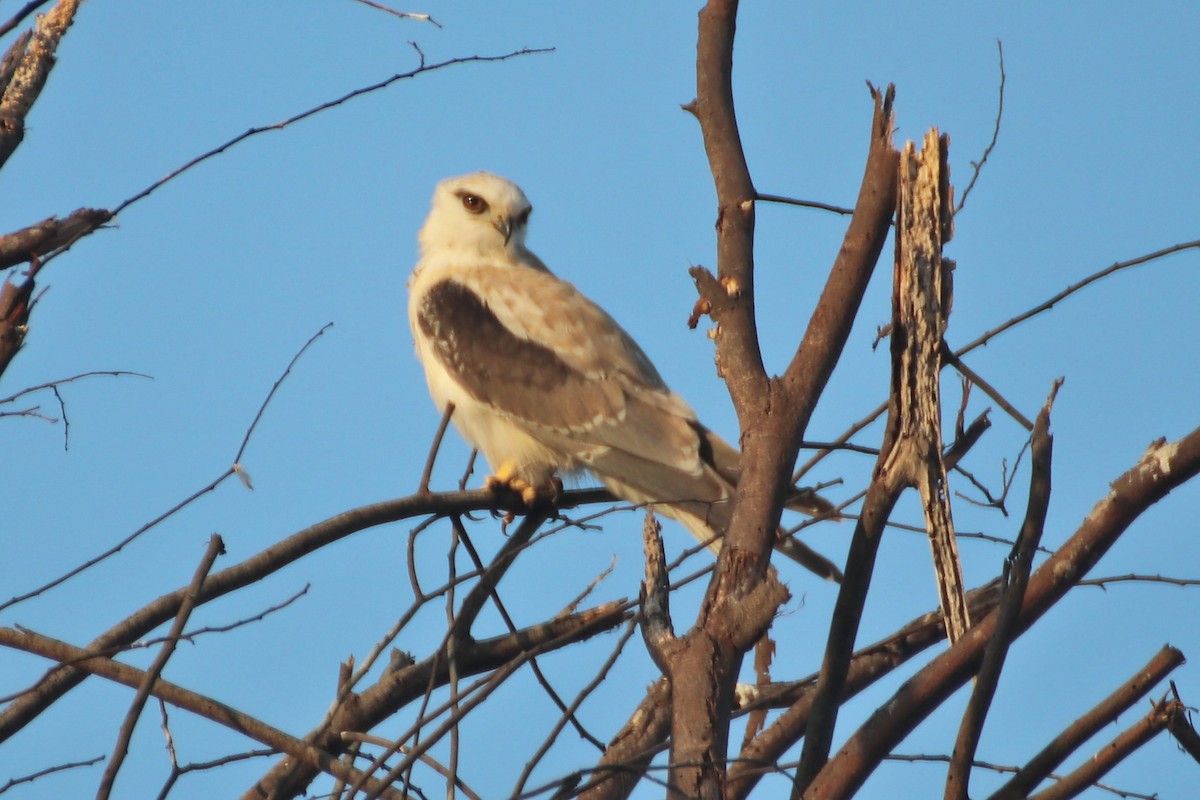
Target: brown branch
1016, 574
1081, 730
50, 234
41, 773
831, 321
976, 379
911, 453
731, 298
772, 413
867, 666
791, 201
175, 695
363, 738
821, 717
542, 680
568, 714
1125, 794
629, 753
399, 687
16, 19
216, 547
1076, 782
270, 560
16, 303
1162, 468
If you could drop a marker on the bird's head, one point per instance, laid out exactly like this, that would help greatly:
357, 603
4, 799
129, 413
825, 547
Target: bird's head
481, 212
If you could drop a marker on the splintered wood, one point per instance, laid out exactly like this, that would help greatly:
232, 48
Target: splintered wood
922, 293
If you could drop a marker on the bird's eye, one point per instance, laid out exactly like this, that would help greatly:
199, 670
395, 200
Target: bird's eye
474, 203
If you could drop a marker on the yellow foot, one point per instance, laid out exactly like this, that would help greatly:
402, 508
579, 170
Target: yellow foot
506, 479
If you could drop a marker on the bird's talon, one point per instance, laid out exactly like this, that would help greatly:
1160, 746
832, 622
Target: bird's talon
506, 480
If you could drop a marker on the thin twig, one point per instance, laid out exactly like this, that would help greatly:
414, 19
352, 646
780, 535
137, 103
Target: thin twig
1135, 578
986, 336
978, 165
379, 741
791, 201
421, 68
1003, 768
401, 14
533, 664
61, 381
215, 548
48, 771
237, 459
119, 546
987, 388
235, 469
427, 473
568, 714
24, 12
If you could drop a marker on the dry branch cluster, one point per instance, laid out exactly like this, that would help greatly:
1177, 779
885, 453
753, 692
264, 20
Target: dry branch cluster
688, 711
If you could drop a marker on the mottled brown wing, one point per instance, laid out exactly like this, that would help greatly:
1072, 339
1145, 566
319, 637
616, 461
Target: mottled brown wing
522, 378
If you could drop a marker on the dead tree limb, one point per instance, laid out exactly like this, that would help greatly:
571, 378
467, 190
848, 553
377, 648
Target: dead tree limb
1126, 742
1164, 466
30, 70
911, 454
1062, 746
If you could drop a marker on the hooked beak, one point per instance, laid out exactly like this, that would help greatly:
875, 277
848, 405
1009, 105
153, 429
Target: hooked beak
503, 225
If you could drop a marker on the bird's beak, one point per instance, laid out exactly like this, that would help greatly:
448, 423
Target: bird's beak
503, 225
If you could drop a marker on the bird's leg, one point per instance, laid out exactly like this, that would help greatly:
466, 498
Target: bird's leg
507, 479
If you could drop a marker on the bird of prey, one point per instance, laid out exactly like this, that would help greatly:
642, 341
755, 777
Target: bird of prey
545, 383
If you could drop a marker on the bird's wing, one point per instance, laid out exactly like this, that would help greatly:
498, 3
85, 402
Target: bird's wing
533, 348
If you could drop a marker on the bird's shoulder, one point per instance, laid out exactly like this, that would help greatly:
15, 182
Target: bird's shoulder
534, 304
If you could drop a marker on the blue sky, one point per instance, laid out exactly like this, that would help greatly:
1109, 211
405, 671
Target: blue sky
214, 282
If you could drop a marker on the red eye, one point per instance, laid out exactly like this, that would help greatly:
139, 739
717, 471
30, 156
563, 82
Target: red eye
474, 203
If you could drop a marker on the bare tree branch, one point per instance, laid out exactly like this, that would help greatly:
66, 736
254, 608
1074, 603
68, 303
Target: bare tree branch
866, 667
215, 548
1046, 305
1016, 575
50, 234
1084, 728
235, 469
1076, 782
176, 695
30, 778
401, 14
1164, 467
